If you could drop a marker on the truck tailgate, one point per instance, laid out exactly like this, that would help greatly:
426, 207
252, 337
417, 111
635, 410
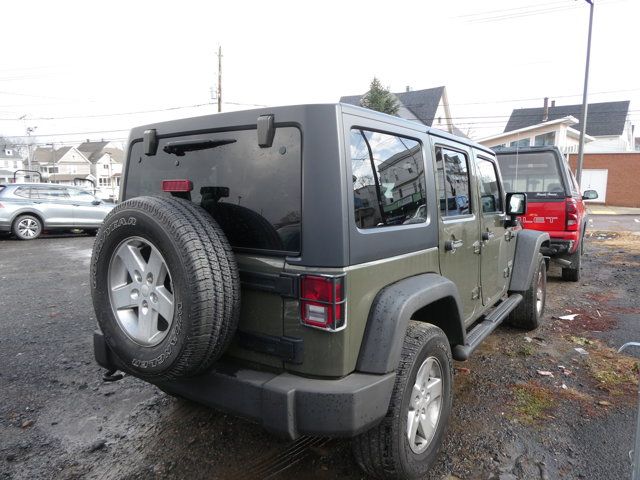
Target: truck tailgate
547, 215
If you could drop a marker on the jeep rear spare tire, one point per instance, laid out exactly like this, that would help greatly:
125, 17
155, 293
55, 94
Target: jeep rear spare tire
165, 287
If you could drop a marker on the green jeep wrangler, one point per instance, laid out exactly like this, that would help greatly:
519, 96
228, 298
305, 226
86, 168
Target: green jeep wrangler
314, 268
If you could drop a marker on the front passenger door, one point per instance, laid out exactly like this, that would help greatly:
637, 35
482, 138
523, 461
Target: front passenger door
85, 212
494, 271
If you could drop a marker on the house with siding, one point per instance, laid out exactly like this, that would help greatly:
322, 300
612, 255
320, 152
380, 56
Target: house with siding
10, 161
93, 165
106, 166
608, 124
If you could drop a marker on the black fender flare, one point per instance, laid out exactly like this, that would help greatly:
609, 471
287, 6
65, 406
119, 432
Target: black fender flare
391, 311
525, 260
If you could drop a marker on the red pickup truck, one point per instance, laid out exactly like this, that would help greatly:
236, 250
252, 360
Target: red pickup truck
554, 202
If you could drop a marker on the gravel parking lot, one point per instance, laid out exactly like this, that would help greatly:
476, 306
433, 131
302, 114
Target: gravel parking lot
59, 419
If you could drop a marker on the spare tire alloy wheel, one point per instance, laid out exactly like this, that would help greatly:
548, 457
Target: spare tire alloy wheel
140, 291
165, 288
27, 227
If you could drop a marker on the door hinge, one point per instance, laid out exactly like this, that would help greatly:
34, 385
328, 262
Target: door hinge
475, 293
477, 247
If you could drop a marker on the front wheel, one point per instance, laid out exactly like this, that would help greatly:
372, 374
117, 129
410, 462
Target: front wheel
27, 227
405, 443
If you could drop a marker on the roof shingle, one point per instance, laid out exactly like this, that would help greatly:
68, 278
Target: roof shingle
605, 118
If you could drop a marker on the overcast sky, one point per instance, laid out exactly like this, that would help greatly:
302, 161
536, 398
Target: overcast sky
89, 59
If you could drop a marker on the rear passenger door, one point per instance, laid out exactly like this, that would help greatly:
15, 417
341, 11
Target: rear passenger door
55, 205
459, 243
494, 269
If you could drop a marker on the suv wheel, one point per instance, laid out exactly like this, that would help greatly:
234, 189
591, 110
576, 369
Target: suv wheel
528, 314
27, 227
405, 443
165, 287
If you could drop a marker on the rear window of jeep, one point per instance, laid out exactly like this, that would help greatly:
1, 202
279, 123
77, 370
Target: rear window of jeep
253, 193
533, 173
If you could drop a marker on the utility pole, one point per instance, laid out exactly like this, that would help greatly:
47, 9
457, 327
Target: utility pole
219, 78
585, 106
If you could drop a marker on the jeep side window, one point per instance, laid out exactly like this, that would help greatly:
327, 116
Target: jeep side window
453, 182
489, 188
388, 179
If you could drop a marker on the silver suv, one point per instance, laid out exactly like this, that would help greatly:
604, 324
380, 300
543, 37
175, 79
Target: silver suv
28, 209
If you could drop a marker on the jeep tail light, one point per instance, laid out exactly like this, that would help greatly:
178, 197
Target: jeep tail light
177, 186
322, 302
572, 214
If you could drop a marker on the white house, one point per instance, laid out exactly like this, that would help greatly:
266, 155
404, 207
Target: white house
608, 123
559, 132
10, 161
106, 166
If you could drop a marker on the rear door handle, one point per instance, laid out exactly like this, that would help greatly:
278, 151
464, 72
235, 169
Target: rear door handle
453, 245
488, 235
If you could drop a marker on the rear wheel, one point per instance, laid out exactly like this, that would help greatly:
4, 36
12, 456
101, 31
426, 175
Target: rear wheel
572, 273
27, 227
528, 314
406, 442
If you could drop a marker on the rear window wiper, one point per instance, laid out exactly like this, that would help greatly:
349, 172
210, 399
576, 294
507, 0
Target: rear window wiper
179, 147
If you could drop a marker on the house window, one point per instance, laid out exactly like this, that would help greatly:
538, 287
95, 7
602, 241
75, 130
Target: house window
8, 153
524, 142
104, 181
105, 166
453, 182
545, 139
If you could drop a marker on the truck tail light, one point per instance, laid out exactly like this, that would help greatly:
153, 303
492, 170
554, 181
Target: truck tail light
1, 205
177, 186
572, 214
322, 302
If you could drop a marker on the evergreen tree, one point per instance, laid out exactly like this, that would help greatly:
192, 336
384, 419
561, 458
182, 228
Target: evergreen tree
380, 99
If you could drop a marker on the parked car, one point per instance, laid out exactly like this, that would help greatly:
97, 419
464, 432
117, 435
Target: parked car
241, 271
26, 210
555, 204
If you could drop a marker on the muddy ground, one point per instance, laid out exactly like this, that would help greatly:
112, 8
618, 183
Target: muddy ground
58, 419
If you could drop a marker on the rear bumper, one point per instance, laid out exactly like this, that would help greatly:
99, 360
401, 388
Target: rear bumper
561, 243
285, 404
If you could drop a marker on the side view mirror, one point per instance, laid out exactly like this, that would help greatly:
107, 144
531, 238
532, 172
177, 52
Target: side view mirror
589, 195
96, 202
516, 204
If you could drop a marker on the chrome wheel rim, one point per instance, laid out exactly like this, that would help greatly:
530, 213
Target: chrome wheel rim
425, 406
28, 228
141, 291
540, 284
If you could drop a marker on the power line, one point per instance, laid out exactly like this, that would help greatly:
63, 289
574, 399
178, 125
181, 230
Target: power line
120, 114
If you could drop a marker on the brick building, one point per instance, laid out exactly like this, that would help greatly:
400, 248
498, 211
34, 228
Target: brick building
615, 176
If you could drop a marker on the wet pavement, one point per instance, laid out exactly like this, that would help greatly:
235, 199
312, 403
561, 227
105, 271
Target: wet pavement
58, 419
